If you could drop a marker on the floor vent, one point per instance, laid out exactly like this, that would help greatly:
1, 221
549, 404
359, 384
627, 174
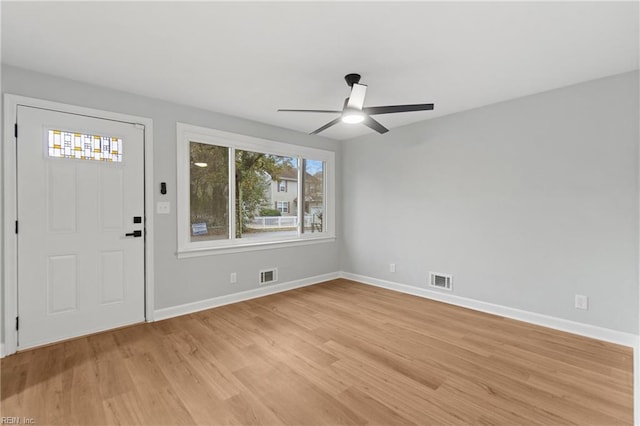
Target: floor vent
441, 281
268, 276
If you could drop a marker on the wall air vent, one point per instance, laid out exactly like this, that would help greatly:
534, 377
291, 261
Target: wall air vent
441, 281
268, 276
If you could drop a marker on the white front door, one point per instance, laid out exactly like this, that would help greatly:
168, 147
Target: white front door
80, 192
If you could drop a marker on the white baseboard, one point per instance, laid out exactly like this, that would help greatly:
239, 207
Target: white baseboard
201, 305
600, 333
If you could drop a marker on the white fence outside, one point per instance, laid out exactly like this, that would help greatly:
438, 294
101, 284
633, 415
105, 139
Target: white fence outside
278, 222
264, 222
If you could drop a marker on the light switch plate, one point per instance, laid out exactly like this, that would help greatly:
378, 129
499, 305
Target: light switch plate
163, 207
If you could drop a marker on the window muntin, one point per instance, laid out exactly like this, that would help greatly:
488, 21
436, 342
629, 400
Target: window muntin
82, 146
268, 226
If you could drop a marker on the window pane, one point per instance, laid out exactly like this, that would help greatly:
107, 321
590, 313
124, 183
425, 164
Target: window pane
82, 146
209, 202
266, 196
314, 209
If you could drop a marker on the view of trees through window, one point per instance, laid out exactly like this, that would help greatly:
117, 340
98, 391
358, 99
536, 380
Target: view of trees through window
257, 181
266, 196
209, 172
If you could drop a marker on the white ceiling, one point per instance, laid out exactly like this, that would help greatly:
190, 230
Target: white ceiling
249, 59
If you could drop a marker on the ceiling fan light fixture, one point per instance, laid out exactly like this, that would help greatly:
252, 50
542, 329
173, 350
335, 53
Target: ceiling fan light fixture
354, 111
353, 117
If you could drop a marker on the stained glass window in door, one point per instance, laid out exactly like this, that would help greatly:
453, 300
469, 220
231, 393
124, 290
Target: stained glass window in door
82, 146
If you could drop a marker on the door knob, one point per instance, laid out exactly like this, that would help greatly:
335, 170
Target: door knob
134, 234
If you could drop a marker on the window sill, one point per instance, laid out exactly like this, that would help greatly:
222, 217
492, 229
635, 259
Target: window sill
262, 245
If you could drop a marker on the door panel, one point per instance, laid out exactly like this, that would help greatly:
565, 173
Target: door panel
61, 198
77, 271
111, 200
111, 277
62, 284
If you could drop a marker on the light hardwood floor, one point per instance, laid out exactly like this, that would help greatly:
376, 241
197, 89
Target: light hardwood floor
334, 353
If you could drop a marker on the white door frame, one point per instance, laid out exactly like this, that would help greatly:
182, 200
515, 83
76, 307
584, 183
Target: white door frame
9, 205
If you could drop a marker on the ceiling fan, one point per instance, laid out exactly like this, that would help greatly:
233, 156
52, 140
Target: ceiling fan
354, 111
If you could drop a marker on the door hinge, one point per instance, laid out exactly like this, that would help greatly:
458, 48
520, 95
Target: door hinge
15, 130
17, 323
16, 226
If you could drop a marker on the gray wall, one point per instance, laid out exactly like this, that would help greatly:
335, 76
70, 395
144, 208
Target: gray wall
526, 202
188, 280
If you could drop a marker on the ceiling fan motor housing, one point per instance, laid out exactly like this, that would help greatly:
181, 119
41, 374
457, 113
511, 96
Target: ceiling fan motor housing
352, 78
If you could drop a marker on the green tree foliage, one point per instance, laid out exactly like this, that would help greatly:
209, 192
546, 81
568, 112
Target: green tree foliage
270, 212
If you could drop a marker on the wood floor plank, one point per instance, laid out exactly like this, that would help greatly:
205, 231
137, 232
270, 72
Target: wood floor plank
334, 353
374, 411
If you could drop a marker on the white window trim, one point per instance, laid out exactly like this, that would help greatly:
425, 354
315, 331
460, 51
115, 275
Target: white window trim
189, 133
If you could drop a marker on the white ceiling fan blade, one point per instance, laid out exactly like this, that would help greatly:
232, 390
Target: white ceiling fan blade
356, 99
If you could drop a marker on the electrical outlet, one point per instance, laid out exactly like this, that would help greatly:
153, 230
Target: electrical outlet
392, 267
233, 278
582, 302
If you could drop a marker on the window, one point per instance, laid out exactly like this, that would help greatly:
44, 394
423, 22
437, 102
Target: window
82, 146
282, 206
255, 173
208, 191
237, 192
314, 191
